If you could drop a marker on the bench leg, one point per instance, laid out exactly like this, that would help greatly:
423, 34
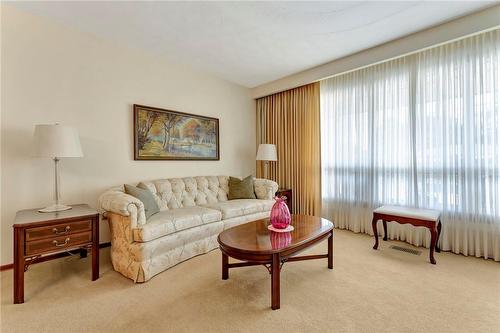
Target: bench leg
433, 244
375, 233
330, 251
439, 234
385, 229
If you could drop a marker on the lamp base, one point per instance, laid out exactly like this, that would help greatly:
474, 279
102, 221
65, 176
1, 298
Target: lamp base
54, 208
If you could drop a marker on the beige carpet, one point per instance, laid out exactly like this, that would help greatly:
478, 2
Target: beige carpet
368, 291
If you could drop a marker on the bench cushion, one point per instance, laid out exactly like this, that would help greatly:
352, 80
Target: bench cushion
414, 213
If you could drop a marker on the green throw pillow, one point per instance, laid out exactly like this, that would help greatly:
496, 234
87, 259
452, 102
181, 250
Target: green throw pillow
150, 205
241, 188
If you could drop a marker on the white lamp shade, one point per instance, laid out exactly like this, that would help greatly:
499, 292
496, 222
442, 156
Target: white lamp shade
56, 141
267, 152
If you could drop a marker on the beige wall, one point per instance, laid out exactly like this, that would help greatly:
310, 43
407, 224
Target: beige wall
51, 73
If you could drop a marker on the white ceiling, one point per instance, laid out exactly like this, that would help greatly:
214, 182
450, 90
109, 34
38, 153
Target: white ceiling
252, 43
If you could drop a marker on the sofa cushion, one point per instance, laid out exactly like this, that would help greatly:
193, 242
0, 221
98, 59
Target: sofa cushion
241, 188
170, 221
240, 207
148, 200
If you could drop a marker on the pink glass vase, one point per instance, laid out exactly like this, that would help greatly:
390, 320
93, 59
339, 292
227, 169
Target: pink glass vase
280, 215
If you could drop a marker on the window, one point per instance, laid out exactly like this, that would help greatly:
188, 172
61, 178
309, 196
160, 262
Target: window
421, 130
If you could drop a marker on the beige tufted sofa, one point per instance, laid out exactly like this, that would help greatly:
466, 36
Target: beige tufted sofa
193, 211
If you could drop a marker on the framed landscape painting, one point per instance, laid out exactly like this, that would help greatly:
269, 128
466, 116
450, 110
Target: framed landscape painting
161, 134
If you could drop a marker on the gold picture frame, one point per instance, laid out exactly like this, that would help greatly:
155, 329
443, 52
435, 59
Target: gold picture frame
161, 134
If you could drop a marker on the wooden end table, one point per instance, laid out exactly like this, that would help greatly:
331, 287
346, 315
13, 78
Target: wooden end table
38, 236
254, 244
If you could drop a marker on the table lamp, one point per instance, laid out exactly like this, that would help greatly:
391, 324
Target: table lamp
56, 141
266, 153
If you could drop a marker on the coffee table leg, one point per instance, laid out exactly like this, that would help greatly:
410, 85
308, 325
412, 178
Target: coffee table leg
225, 268
275, 281
330, 251
375, 232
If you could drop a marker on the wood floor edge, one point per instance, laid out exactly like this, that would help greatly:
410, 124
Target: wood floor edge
58, 255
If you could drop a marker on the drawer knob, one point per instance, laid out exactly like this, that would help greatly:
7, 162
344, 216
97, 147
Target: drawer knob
65, 231
61, 245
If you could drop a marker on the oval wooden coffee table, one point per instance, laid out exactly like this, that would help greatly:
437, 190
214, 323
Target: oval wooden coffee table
254, 244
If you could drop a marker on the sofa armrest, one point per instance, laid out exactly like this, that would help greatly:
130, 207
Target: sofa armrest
117, 201
265, 188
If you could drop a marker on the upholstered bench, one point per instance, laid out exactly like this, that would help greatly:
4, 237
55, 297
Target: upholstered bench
415, 216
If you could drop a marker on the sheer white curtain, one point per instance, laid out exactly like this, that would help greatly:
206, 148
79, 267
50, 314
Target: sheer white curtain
423, 131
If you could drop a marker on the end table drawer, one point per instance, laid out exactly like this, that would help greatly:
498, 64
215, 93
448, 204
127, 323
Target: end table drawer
58, 230
57, 243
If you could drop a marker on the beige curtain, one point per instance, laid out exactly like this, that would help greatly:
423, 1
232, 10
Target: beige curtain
290, 120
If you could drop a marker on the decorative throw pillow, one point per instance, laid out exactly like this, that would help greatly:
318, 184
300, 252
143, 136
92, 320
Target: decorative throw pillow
241, 188
150, 205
